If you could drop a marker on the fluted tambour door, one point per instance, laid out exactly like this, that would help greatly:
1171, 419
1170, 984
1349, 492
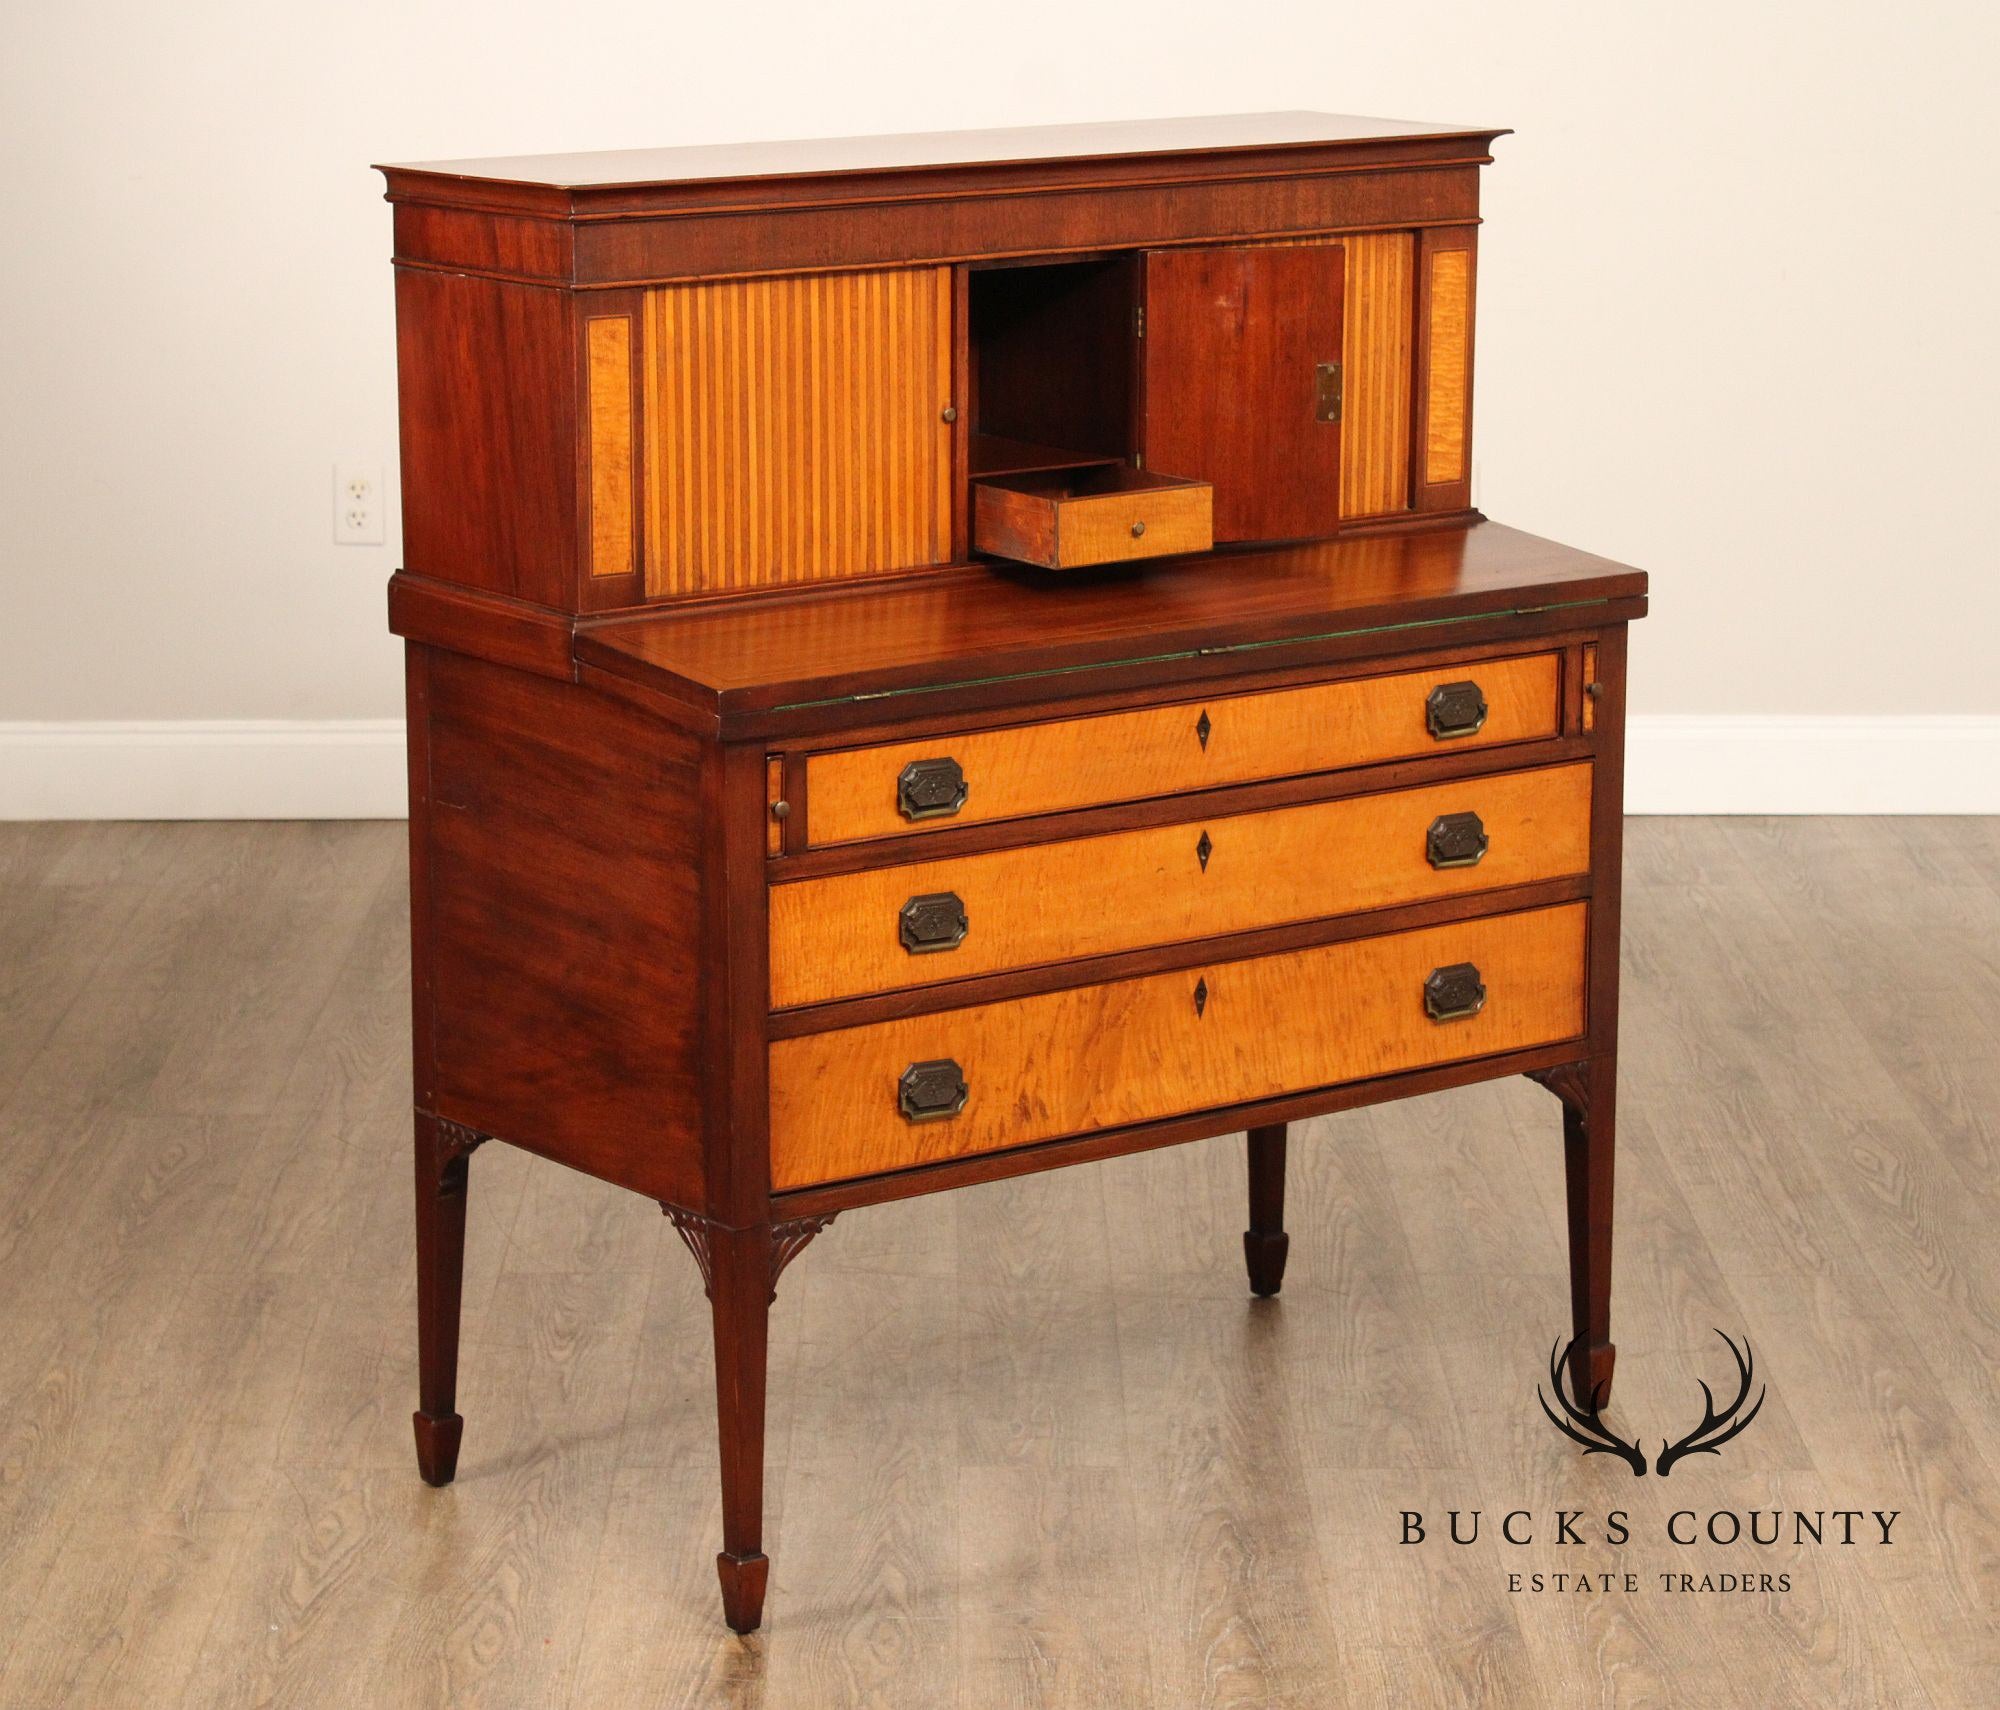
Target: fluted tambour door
795, 430
1377, 346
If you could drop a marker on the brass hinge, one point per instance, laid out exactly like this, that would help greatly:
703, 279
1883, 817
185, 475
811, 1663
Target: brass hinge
1326, 392
1139, 321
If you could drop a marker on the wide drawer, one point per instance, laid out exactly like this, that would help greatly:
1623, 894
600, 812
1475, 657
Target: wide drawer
1065, 518
973, 776
862, 1100
892, 927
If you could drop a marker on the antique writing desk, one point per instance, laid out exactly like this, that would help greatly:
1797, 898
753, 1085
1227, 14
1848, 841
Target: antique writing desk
933, 658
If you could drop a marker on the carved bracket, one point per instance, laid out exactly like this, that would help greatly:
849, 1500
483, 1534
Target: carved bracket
693, 1228
1570, 1082
788, 1240
451, 1142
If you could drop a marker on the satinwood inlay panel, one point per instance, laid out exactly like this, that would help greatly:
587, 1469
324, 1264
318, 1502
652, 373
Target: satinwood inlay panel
1450, 364
608, 349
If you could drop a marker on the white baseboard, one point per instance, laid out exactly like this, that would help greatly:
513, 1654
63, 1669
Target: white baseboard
1694, 763
353, 768
205, 769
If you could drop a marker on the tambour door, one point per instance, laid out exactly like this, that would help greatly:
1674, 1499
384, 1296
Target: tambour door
790, 429
1240, 362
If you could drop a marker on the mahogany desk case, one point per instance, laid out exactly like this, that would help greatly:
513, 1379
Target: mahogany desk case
934, 658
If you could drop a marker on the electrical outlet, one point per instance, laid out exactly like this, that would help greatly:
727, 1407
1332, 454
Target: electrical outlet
357, 503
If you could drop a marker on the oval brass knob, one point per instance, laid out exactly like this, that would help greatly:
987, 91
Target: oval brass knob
1454, 992
931, 789
949, 413
781, 810
1455, 709
931, 1091
933, 922
1138, 528
1455, 840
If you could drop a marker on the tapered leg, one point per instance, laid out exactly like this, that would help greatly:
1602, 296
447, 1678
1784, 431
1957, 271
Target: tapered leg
740, 1289
1265, 1241
442, 1152
1589, 1094
740, 1269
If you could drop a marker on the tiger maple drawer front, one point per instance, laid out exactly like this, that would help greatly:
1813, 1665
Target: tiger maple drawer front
892, 927
863, 1100
911, 787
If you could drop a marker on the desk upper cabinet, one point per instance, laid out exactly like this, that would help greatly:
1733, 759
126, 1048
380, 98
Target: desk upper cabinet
938, 657
631, 378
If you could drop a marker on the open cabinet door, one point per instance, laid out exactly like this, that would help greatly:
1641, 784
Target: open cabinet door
1240, 355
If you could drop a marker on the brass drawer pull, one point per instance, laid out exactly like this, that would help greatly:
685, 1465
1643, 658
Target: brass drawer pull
932, 1091
1455, 840
1455, 709
933, 922
1453, 993
931, 789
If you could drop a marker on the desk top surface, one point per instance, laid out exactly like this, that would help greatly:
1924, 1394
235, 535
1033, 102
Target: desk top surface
934, 633
707, 163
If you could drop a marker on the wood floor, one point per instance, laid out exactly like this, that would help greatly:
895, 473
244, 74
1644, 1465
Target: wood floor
1032, 1444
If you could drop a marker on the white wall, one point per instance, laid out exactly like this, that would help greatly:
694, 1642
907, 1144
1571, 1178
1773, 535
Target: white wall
1736, 317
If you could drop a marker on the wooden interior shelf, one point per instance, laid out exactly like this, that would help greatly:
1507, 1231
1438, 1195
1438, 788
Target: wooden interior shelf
995, 454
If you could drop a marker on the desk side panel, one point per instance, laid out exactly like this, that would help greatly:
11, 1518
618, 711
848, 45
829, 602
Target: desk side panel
487, 380
558, 834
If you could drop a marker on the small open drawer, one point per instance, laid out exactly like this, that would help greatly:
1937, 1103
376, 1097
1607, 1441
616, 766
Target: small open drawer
1063, 518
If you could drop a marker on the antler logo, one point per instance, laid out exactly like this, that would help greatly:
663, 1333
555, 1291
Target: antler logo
1588, 1429
1698, 1441
1586, 1426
